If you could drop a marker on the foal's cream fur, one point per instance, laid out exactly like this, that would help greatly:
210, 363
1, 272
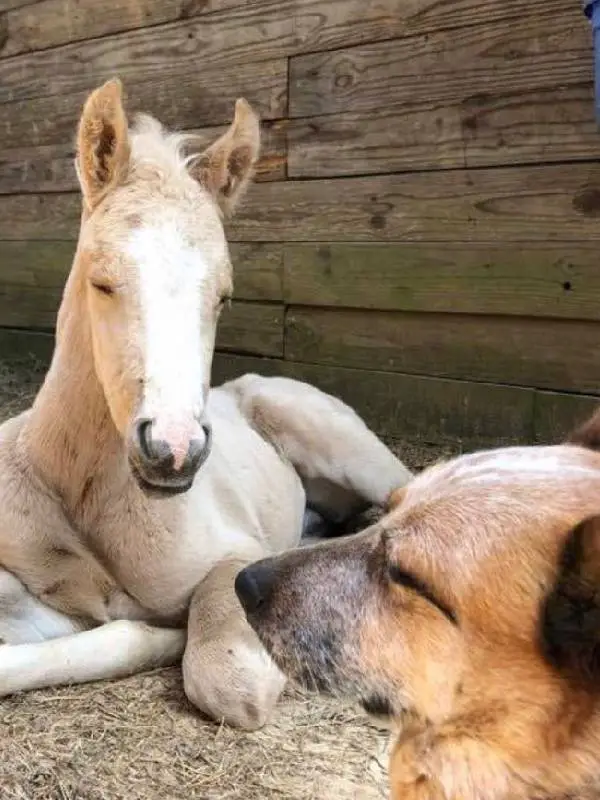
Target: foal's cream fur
100, 576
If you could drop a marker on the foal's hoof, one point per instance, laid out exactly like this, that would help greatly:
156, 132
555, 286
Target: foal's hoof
238, 685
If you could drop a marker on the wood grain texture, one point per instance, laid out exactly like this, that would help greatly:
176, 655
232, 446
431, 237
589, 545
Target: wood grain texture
58, 22
246, 327
49, 23
551, 125
9, 5
253, 328
409, 407
45, 265
17, 345
558, 203
180, 100
398, 406
516, 204
252, 31
541, 52
518, 351
213, 33
228, 366
49, 217
51, 168
536, 280
33, 277
34, 274
556, 415
258, 271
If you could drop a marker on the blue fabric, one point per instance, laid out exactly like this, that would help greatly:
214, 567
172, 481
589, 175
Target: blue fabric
592, 11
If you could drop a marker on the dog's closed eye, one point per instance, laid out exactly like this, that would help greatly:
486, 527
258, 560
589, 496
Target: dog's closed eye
408, 580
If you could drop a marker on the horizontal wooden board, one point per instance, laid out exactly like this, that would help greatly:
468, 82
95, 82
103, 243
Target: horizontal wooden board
9, 5
257, 267
410, 407
239, 32
181, 100
257, 271
558, 203
431, 410
34, 273
254, 328
551, 125
36, 265
244, 328
552, 354
537, 280
538, 53
49, 23
17, 345
556, 415
512, 204
51, 168
428, 410
44, 24
228, 366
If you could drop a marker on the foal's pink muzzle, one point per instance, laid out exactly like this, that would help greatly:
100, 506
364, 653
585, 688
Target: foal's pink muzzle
166, 453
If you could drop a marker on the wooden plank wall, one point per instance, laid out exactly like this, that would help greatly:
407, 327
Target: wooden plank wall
423, 236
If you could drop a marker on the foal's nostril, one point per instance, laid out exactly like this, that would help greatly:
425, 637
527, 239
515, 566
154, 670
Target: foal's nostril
143, 431
199, 450
254, 586
151, 449
165, 454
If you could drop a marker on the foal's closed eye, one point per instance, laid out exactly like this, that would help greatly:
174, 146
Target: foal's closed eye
103, 288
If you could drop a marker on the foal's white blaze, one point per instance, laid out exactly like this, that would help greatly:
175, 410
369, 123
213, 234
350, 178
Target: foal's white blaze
178, 329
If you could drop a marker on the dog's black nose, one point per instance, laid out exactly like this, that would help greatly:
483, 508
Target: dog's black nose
254, 585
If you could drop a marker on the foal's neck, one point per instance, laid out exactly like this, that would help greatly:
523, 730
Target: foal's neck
70, 438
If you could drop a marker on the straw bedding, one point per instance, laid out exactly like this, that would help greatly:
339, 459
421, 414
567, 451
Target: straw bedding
140, 739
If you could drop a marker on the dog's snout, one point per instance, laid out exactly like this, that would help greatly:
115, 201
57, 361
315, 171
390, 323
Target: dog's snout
254, 585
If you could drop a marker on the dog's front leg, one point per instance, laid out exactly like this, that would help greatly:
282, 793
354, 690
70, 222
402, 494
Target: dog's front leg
435, 765
227, 673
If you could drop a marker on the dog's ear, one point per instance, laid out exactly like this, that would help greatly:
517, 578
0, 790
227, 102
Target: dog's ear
570, 619
588, 434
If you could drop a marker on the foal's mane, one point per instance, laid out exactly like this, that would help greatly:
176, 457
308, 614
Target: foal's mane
159, 153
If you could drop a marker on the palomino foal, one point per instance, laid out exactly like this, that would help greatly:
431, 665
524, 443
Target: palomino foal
118, 551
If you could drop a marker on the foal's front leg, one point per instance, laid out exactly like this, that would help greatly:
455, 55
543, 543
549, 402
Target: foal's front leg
114, 650
227, 673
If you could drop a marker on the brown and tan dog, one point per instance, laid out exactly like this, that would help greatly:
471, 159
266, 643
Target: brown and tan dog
471, 613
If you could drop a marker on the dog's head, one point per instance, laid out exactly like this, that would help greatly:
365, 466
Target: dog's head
475, 594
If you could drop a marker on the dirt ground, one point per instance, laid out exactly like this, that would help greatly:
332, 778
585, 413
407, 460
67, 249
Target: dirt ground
139, 738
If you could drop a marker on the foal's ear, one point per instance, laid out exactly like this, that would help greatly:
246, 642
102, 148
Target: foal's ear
570, 620
102, 143
225, 168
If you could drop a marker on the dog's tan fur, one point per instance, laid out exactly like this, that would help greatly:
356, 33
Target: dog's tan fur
88, 556
472, 610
